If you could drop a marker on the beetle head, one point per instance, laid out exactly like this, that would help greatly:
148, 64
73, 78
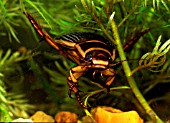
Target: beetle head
99, 57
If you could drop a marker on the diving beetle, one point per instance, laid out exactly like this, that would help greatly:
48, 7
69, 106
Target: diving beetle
91, 52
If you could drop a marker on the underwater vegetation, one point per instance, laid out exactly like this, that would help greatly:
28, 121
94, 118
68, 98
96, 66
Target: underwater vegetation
33, 75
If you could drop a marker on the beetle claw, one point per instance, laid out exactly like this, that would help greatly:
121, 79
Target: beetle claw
77, 95
80, 101
69, 93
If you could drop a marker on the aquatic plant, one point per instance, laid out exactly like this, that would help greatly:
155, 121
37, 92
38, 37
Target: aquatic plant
118, 21
13, 102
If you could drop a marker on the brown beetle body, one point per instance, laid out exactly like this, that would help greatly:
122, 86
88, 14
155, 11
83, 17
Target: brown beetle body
89, 51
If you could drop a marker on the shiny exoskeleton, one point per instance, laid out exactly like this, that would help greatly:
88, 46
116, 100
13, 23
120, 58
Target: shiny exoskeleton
89, 51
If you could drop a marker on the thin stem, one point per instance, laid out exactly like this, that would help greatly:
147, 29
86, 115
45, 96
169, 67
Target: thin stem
92, 11
130, 79
127, 16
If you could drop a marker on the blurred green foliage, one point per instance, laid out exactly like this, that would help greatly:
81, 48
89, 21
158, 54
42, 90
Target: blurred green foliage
33, 75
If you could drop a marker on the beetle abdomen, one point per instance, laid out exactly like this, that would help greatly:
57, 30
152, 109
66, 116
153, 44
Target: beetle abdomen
78, 37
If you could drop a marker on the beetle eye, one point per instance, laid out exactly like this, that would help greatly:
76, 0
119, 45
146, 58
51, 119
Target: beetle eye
110, 59
88, 57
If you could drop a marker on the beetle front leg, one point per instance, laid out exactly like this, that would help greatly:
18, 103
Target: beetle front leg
111, 76
75, 73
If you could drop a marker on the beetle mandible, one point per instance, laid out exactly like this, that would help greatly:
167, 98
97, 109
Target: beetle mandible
88, 51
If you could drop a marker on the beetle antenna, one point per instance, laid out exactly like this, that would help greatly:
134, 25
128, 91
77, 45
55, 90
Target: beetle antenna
119, 62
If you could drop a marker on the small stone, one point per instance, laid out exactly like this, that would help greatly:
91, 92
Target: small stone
111, 115
23, 120
40, 116
66, 117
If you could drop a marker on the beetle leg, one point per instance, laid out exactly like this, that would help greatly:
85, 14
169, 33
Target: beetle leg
42, 33
75, 73
130, 44
111, 76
